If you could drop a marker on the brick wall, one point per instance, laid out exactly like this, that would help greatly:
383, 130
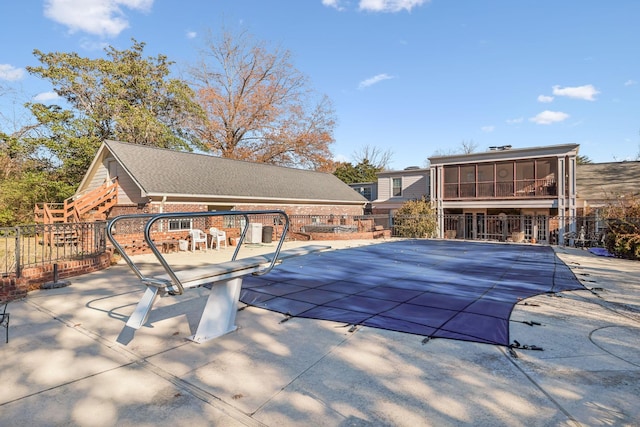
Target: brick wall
193, 207
135, 244
33, 277
11, 289
378, 234
307, 209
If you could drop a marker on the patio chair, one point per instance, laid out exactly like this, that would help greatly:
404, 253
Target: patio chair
197, 236
218, 236
4, 320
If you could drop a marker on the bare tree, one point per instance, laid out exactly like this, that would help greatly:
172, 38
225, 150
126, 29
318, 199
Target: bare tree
258, 106
468, 147
373, 156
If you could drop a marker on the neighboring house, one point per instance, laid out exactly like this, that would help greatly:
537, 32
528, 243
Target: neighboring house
397, 187
506, 193
155, 180
368, 190
600, 184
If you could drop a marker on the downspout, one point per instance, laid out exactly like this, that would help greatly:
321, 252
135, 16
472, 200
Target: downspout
164, 199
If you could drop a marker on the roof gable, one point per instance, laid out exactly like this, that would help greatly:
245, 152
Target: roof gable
160, 172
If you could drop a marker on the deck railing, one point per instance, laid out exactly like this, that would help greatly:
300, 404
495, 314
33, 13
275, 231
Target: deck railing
30, 245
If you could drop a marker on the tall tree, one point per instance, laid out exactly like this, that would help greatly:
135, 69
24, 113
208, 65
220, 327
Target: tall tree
259, 107
370, 161
362, 172
581, 159
25, 179
123, 96
373, 156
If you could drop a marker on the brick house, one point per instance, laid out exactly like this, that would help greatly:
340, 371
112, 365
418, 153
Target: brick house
154, 180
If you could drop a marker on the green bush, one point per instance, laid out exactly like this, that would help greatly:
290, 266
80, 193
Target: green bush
416, 218
623, 222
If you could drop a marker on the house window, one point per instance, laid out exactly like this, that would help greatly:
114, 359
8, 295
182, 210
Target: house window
179, 224
396, 185
366, 192
468, 181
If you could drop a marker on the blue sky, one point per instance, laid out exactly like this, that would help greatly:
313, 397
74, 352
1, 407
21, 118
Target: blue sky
414, 77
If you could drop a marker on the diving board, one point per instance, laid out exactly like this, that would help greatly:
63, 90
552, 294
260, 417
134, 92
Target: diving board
225, 279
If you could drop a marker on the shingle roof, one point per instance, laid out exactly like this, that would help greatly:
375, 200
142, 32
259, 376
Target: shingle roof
167, 172
601, 181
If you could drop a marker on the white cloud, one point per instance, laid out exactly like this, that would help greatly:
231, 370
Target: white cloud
545, 98
332, 3
99, 17
340, 158
191, 34
488, 128
373, 80
630, 83
389, 5
46, 96
89, 44
548, 117
515, 121
10, 73
586, 92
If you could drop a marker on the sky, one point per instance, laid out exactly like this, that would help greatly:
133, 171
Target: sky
413, 78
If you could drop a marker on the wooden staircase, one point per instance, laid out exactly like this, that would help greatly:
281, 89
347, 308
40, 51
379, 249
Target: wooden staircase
87, 207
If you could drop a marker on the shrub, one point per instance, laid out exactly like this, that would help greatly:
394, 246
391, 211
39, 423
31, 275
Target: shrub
416, 218
623, 222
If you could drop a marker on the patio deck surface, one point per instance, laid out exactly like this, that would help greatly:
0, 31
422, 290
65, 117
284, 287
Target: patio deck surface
64, 366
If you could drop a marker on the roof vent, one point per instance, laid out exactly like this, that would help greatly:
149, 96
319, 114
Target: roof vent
500, 148
411, 168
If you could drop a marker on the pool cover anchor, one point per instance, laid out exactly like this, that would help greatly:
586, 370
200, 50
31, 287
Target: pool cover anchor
528, 322
519, 346
287, 317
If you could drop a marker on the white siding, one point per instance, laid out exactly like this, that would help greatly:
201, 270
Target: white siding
413, 186
99, 178
384, 188
128, 191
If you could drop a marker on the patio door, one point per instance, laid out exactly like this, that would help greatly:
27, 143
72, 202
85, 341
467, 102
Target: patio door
480, 226
468, 226
474, 225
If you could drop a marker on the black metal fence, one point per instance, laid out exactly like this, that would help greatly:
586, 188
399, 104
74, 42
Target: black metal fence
39, 244
31, 245
554, 230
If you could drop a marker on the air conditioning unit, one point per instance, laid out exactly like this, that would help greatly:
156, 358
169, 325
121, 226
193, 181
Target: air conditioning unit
254, 233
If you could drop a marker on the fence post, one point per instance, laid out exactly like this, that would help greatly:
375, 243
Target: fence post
17, 253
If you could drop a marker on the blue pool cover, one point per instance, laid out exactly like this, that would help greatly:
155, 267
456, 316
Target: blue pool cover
434, 288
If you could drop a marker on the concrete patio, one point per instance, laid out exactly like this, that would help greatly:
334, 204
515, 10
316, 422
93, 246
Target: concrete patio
69, 363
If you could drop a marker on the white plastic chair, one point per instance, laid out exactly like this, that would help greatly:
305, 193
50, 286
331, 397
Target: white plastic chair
218, 236
197, 236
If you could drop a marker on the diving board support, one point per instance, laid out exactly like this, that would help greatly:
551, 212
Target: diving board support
141, 312
224, 279
219, 314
